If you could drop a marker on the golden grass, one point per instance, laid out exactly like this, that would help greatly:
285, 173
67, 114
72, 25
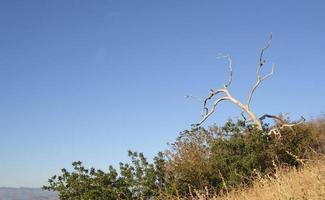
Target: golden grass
308, 183
288, 184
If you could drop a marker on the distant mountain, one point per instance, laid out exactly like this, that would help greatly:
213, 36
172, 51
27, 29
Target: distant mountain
26, 194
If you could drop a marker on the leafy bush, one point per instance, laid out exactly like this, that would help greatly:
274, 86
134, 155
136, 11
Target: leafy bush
138, 180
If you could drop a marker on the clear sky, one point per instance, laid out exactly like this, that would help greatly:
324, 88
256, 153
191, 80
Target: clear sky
88, 80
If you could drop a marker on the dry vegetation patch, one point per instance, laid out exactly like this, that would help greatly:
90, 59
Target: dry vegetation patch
287, 184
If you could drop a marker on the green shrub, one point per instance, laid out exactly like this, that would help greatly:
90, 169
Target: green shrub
138, 180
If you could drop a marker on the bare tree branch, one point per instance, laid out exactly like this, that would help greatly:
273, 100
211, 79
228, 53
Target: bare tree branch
214, 106
277, 118
276, 130
302, 120
259, 77
212, 94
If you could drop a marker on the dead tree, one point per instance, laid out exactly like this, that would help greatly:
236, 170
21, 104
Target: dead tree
225, 95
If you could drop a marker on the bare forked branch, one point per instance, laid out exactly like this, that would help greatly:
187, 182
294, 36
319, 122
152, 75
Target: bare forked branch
228, 96
212, 94
214, 106
259, 77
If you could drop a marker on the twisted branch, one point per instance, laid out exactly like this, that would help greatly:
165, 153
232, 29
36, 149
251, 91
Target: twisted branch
214, 106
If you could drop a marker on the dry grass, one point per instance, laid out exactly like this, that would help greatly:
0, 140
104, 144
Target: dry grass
308, 183
288, 184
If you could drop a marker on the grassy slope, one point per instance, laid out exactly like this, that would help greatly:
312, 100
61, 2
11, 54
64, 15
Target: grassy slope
308, 183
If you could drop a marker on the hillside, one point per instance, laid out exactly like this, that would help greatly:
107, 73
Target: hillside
26, 194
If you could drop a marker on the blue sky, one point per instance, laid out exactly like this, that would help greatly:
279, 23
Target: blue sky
88, 80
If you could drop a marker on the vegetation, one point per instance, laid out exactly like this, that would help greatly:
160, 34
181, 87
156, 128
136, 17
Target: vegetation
137, 180
215, 160
286, 184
